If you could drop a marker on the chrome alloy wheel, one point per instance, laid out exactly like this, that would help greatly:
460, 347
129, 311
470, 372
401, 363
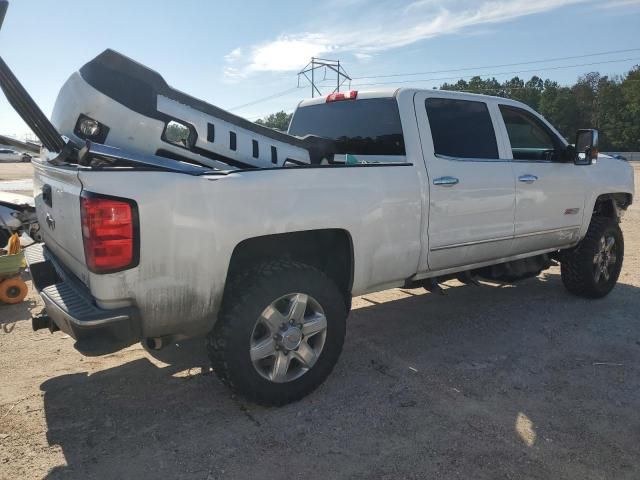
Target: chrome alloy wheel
288, 337
605, 260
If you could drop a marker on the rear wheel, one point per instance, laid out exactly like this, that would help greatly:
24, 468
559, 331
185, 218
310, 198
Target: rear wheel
279, 333
592, 269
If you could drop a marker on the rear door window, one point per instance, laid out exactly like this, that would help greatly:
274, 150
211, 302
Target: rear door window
461, 128
360, 127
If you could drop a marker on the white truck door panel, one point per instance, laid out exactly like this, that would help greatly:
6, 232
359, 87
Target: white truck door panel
472, 193
549, 205
549, 194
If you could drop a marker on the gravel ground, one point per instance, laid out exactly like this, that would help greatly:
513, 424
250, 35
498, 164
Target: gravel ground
512, 381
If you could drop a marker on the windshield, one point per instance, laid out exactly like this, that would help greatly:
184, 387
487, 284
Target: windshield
364, 127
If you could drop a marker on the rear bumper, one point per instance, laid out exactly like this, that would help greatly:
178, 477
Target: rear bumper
71, 307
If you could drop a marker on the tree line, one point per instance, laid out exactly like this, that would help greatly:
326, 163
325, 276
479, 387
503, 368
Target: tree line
610, 104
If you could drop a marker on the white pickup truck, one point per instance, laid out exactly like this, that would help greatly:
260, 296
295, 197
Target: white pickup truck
421, 186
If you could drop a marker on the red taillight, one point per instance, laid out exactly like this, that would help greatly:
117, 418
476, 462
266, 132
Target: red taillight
109, 230
338, 96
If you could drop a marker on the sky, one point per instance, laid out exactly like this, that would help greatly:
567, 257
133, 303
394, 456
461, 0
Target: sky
237, 54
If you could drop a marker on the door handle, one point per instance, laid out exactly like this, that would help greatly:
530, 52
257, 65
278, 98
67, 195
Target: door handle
446, 181
527, 178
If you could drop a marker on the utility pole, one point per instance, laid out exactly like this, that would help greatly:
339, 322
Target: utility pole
328, 66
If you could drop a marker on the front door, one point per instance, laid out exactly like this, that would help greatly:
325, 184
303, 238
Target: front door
549, 192
471, 190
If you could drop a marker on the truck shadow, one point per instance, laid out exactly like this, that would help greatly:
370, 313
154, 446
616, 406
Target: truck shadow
425, 384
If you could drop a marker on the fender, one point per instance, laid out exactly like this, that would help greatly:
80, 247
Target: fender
609, 178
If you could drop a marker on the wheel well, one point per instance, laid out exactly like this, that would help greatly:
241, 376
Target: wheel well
328, 250
610, 204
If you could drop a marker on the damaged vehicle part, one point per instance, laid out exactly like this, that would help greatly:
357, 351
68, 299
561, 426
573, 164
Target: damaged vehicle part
116, 101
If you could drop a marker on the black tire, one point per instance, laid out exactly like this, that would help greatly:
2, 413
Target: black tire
578, 266
246, 296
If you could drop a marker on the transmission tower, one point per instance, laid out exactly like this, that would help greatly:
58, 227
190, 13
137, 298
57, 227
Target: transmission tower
331, 66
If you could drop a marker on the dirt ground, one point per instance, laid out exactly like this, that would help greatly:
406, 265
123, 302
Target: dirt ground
496, 382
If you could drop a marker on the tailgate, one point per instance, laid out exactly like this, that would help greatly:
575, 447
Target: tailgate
57, 197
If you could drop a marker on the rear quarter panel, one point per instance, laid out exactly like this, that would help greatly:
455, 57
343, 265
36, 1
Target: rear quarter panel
190, 225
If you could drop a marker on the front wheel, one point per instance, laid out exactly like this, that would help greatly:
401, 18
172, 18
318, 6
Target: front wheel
279, 333
592, 269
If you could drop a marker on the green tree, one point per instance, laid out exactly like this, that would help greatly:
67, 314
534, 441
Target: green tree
531, 92
631, 120
611, 114
279, 120
559, 106
476, 85
585, 91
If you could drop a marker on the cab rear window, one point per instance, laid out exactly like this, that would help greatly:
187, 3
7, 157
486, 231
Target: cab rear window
360, 127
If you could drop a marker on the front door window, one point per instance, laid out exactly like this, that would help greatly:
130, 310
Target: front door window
530, 139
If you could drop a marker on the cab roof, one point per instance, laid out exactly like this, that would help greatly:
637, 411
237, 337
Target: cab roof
394, 92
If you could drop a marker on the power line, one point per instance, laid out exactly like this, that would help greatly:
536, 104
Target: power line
264, 99
498, 66
495, 74
291, 90
275, 95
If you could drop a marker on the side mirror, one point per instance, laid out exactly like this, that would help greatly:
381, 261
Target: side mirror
586, 149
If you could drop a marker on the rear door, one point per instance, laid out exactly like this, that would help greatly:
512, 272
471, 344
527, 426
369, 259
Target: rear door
56, 191
472, 192
550, 193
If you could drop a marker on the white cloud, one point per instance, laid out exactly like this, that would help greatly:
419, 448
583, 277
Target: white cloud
363, 57
233, 55
610, 4
287, 52
364, 27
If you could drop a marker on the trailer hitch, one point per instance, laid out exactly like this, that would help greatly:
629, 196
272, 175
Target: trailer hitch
42, 320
